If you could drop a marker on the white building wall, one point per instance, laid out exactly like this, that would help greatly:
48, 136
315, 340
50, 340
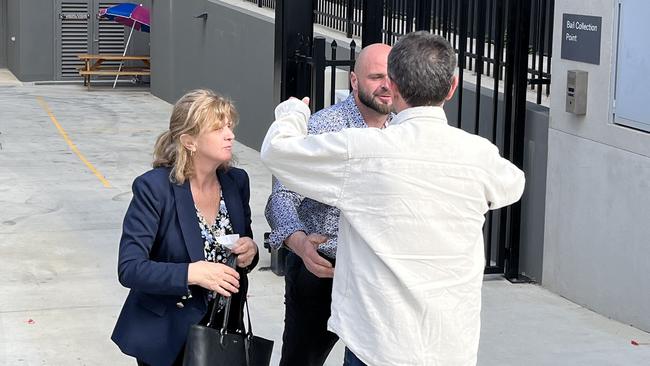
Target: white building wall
597, 232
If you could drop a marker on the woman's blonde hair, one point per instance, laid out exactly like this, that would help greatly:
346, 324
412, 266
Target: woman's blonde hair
195, 112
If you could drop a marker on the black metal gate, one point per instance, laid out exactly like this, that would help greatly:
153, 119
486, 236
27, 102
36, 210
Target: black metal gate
494, 39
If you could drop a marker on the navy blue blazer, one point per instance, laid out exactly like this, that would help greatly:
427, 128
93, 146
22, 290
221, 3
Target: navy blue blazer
160, 237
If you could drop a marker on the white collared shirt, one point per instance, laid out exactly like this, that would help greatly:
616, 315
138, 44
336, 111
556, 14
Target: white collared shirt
407, 283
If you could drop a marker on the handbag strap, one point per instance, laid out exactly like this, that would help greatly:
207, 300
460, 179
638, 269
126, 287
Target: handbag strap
226, 311
248, 316
249, 334
226, 315
213, 312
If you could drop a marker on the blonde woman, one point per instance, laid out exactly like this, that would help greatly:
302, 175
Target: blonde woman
169, 257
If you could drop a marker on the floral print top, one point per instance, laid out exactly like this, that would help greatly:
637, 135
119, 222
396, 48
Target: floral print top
213, 251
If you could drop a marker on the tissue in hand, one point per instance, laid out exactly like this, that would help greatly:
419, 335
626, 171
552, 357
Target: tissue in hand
228, 241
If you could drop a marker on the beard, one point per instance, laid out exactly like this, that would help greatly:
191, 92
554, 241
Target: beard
369, 101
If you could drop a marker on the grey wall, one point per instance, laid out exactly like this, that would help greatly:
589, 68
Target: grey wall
596, 250
3, 33
31, 56
535, 155
13, 13
230, 52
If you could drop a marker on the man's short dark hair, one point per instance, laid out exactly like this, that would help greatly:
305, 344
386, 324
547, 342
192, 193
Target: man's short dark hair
422, 66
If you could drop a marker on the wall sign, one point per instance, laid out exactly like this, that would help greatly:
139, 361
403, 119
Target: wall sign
581, 38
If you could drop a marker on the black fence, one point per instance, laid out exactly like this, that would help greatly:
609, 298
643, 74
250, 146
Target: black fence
443, 17
263, 3
492, 38
315, 65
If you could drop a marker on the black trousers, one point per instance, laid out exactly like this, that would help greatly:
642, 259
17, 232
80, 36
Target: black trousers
306, 340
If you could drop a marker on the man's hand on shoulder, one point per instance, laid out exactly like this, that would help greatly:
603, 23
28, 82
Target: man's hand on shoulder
305, 246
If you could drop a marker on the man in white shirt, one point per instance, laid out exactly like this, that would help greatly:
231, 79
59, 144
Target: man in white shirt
407, 284
310, 228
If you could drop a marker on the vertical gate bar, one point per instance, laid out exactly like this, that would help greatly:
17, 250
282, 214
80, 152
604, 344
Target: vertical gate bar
535, 30
333, 73
460, 11
318, 73
338, 16
398, 14
455, 17
433, 13
490, 8
542, 31
372, 22
388, 23
450, 19
407, 16
329, 11
549, 17
349, 14
397, 18
443, 17
353, 55
293, 34
496, 66
504, 213
342, 15
497, 37
498, 54
394, 18
480, 48
434, 16
410, 16
357, 18
332, 14
461, 56
423, 11
520, 86
471, 17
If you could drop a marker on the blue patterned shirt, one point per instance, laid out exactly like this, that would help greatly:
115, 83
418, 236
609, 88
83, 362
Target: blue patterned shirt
287, 211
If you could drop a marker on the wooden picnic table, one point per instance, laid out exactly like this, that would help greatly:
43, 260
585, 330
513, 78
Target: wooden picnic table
93, 66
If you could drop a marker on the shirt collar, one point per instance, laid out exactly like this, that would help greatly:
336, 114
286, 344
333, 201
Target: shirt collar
429, 112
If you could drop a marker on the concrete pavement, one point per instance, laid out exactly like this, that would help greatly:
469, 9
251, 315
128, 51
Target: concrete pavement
67, 160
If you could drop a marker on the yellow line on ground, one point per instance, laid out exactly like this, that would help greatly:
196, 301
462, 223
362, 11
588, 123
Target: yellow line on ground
73, 147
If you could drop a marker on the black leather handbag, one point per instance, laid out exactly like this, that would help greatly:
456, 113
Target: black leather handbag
210, 346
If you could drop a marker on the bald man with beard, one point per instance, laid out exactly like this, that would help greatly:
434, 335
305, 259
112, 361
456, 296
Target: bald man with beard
310, 229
